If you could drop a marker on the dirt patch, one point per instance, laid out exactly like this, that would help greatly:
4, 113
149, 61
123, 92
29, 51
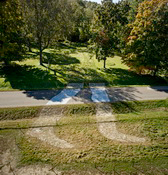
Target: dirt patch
37, 170
8, 167
4, 142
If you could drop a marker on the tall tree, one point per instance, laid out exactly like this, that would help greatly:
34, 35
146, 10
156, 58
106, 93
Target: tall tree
110, 19
82, 15
11, 40
46, 21
148, 40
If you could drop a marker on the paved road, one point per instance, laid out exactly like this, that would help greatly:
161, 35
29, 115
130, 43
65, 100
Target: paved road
40, 98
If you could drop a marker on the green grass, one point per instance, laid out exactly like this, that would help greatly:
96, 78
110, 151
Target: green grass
4, 84
72, 63
19, 113
93, 153
136, 106
154, 122
81, 109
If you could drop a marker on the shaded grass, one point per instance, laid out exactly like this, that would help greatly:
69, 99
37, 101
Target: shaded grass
59, 59
136, 106
71, 63
19, 113
32, 112
25, 77
120, 77
17, 124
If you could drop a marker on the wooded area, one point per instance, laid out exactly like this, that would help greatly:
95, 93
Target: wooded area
136, 30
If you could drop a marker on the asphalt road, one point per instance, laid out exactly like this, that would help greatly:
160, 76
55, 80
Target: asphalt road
40, 98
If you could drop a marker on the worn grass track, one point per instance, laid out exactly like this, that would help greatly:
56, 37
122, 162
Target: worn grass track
93, 153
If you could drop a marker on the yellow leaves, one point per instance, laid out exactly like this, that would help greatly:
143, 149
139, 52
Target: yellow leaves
148, 8
148, 23
138, 16
135, 30
132, 37
131, 40
147, 38
30, 35
130, 25
147, 13
131, 56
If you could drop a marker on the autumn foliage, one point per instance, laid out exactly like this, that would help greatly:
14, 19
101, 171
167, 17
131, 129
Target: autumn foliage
146, 46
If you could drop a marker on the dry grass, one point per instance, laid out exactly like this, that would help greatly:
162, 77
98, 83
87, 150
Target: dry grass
93, 153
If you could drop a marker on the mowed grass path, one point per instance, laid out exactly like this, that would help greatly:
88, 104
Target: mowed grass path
71, 63
93, 153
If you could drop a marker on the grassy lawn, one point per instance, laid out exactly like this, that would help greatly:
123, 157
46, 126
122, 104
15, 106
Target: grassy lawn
71, 63
93, 153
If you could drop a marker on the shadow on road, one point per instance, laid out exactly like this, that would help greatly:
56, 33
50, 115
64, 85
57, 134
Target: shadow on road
159, 88
42, 94
122, 94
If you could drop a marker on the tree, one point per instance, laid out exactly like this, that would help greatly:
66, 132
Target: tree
11, 40
46, 21
146, 49
134, 9
110, 19
82, 15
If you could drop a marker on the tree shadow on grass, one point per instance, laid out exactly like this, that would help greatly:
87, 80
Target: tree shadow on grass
25, 77
30, 78
59, 59
77, 44
126, 77
75, 74
61, 45
112, 77
88, 75
32, 54
123, 107
73, 47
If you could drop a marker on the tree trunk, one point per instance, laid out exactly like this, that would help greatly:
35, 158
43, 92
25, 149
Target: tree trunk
104, 62
41, 57
6, 62
155, 71
41, 53
29, 45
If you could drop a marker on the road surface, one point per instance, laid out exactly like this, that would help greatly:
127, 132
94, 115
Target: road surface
41, 97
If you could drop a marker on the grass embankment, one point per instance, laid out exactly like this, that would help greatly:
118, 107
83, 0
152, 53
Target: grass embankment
94, 153
72, 63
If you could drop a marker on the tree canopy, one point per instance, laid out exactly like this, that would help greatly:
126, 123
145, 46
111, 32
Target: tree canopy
40, 24
45, 21
11, 27
147, 42
110, 20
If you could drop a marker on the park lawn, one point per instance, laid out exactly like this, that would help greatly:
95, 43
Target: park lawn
93, 153
70, 63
